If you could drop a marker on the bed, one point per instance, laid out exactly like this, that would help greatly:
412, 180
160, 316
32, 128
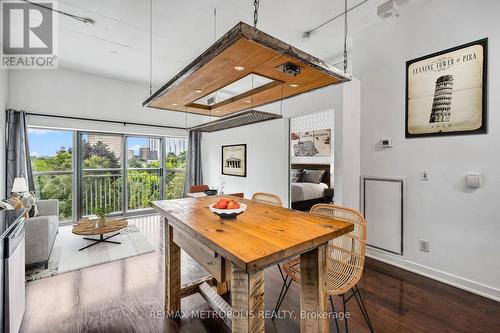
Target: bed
308, 191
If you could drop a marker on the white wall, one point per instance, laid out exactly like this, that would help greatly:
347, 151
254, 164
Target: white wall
4, 77
267, 146
70, 93
347, 146
267, 158
462, 225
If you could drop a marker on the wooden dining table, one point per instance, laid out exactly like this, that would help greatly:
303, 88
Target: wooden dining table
236, 252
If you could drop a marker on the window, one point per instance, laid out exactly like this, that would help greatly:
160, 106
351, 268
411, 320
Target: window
101, 182
119, 171
175, 167
51, 153
143, 171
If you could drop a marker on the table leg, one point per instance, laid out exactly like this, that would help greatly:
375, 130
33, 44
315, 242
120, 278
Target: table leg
223, 287
172, 271
313, 289
100, 240
247, 301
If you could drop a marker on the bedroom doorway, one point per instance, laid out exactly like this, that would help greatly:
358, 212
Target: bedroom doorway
311, 160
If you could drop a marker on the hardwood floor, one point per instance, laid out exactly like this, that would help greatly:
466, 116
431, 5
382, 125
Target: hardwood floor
127, 296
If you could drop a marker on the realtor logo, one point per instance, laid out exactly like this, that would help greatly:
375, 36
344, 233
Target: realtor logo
28, 35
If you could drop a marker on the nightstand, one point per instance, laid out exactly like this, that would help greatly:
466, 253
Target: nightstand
329, 195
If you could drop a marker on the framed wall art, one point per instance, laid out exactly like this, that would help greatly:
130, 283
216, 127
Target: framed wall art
446, 92
311, 143
234, 160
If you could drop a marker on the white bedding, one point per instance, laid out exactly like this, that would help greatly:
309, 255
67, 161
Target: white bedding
307, 191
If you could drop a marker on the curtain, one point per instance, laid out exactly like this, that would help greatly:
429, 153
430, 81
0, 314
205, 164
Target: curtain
194, 174
18, 154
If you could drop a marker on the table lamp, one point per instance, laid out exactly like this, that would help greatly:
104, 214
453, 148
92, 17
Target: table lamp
19, 186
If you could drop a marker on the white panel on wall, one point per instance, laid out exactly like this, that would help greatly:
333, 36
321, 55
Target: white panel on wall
383, 207
441, 210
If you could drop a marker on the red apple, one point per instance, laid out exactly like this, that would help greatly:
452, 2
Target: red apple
222, 205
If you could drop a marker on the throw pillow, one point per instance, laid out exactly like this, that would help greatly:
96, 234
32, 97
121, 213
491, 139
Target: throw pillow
297, 175
18, 204
5, 205
313, 176
29, 201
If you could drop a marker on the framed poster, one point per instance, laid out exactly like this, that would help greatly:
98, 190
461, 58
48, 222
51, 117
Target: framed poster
446, 92
234, 160
311, 143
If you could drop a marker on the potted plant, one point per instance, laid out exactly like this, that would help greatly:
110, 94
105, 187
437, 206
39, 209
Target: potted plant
102, 212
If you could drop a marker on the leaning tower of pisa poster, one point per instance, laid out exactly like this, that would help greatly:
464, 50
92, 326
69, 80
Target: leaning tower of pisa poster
446, 92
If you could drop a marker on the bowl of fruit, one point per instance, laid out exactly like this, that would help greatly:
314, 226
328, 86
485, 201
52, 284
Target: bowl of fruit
227, 208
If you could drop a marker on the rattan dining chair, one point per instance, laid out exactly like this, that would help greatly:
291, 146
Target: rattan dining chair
267, 198
270, 199
345, 261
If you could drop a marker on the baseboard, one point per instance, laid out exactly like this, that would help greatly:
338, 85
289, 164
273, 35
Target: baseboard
453, 280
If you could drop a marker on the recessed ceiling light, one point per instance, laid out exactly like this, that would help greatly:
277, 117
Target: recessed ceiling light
174, 104
217, 111
198, 91
239, 68
294, 85
247, 101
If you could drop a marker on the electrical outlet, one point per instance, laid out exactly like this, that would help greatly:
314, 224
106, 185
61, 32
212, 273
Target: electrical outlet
424, 245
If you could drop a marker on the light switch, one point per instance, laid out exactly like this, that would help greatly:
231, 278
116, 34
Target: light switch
472, 180
386, 143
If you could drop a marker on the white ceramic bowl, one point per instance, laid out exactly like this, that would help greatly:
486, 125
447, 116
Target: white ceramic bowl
228, 213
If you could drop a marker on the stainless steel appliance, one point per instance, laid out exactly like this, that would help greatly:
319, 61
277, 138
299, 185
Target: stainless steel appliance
12, 280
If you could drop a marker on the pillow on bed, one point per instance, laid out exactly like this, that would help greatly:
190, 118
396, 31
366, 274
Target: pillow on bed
296, 175
313, 176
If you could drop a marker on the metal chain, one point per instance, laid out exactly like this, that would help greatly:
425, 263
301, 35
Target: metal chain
255, 13
150, 47
345, 37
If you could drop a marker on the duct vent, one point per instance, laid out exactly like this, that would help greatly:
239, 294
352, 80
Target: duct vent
236, 120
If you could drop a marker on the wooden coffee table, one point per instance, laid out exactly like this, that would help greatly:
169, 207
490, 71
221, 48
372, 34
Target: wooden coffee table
88, 227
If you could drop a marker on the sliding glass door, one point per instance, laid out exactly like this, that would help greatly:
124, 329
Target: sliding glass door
144, 172
175, 167
101, 172
122, 172
119, 172
52, 163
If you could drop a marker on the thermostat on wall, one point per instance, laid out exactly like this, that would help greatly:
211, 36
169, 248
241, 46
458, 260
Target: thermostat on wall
386, 143
472, 180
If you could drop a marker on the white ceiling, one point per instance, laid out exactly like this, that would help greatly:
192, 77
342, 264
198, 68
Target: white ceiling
117, 45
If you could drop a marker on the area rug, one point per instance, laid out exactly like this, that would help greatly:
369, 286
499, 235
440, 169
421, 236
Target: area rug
65, 256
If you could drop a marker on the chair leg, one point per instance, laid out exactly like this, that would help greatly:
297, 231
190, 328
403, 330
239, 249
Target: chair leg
335, 314
363, 308
345, 311
281, 297
281, 272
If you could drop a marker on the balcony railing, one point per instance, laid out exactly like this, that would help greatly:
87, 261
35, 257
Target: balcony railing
56, 185
103, 187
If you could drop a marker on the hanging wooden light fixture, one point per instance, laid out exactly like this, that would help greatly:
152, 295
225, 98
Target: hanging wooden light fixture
244, 69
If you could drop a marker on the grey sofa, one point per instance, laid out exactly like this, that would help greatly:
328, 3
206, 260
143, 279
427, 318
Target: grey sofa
41, 232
